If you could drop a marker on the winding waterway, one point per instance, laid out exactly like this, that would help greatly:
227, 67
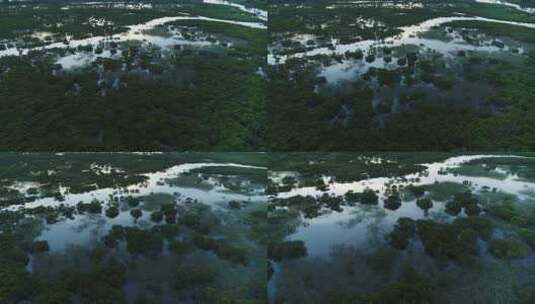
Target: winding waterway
410, 35
362, 226
529, 10
261, 14
136, 32
155, 183
327, 230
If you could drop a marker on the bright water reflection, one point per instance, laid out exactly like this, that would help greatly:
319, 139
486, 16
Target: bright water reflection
88, 229
356, 225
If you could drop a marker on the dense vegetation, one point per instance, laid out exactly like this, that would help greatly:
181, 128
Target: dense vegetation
431, 101
183, 98
152, 248
439, 236
223, 97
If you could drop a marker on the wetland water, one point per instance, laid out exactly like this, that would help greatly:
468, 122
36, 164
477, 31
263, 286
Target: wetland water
136, 32
156, 183
222, 228
358, 71
117, 54
410, 35
262, 14
175, 227
167, 235
335, 235
509, 4
448, 45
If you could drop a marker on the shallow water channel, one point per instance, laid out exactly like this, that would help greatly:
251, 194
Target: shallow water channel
363, 227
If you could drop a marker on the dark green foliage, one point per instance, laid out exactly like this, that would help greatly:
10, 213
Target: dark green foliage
524, 219
438, 239
136, 213
482, 225
393, 201
528, 295
382, 260
337, 296
404, 230
39, 247
465, 200
472, 210
132, 201
286, 250
412, 287
468, 241
330, 201
289, 180
168, 231
234, 205
96, 271
424, 203
448, 241
307, 204
75, 20
54, 294
232, 253
220, 296
302, 117
201, 221
352, 197
417, 191
222, 249
200, 99
369, 197
103, 285
143, 242
143, 299
453, 208
112, 212
189, 276
156, 216
505, 211
180, 247
15, 283
170, 213
321, 185
349, 166
116, 234
508, 248
508, 212
528, 237
204, 242
94, 207
11, 250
